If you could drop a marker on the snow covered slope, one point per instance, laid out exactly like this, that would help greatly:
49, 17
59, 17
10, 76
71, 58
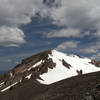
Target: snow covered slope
77, 66
48, 67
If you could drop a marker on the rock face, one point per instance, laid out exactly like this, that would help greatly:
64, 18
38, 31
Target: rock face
43, 69
66, 64
96, 63
33, 66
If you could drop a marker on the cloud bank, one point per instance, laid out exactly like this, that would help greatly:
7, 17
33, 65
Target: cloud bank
68, 45
78, 18
11, 36
81, 15
14, 13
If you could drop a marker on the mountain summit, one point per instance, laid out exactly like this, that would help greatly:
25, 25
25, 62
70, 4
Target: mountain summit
48, 67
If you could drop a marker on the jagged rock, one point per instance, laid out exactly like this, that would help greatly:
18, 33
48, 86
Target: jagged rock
79, 72
96, 63
89, 97
66, 64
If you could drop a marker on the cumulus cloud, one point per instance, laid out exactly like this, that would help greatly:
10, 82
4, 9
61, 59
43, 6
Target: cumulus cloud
72, 14
89, 50
67, 45
64, 33
17, 12
11, 36
14, 13
70, 32
93, 47
78, 18
79, 15
96, 57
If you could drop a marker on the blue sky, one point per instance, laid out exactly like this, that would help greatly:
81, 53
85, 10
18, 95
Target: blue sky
31, 26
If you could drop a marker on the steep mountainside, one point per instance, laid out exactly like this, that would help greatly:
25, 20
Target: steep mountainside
44, 72
82, 87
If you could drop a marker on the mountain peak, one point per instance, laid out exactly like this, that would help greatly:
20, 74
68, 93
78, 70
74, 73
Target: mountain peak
48, 67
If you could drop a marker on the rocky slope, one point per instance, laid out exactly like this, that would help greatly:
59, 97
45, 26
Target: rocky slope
82, 87
45, 72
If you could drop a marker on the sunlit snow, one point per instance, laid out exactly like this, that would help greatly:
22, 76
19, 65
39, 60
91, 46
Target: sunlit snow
9, 87
61, 72
35, 65
1, 84
29, 76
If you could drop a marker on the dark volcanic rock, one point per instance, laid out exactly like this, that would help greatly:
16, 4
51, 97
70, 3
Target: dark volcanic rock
48, 64
83, 87
66, 64
21, 71
96, 63
79, 72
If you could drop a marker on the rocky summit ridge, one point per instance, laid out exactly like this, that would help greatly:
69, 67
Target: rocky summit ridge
46, 68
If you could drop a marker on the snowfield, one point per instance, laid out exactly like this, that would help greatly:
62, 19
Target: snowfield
66, 66
9, 87
60, 72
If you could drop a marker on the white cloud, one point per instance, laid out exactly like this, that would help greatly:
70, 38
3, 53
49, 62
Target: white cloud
75, 15
17, 12
88, 50
72, 14
70, 32
96, 57
64, 33
93, 47
67, 45
14, 13
11, 36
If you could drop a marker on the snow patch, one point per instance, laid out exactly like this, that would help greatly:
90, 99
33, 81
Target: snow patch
60, 72
29, 76
9, 87
35, 65
1, 84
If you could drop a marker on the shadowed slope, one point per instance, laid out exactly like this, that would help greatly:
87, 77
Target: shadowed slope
76, 88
